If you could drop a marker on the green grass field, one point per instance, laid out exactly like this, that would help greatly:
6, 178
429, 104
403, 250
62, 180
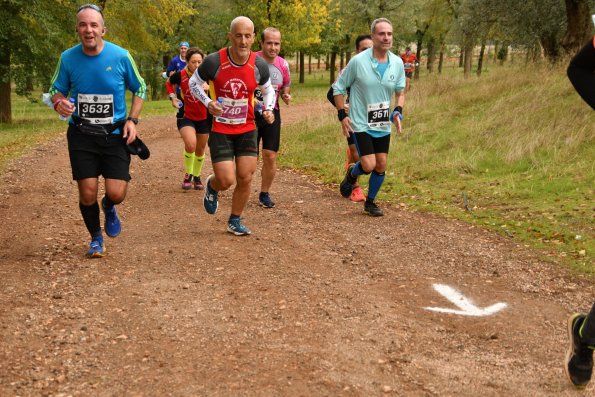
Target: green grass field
511, 151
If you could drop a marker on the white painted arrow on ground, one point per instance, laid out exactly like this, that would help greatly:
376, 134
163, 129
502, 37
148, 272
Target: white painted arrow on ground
465, 305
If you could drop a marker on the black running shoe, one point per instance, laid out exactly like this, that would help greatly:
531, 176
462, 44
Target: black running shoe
346, 186
372, 209
264, 198
579, 358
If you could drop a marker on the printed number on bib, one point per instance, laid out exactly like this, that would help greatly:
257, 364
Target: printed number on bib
97, 109
378, 115
235, 111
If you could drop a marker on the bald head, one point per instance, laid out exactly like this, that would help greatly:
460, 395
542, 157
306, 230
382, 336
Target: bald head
241, 23
241, 37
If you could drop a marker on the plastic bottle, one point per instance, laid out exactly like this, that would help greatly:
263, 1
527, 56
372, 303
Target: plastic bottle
258, 108
71, 100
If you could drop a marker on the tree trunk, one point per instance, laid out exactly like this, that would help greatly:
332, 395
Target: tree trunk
5, 104
347, 57
302, 67
431, 55
441, 59
309, 63
468, 55
331, 64
551, 47
297, 62
496, 51
480, 61
342, 61
318, 66
578, 26
418, 56
462, 56
327, 64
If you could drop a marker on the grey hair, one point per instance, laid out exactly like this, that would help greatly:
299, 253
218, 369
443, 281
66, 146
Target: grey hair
377, 21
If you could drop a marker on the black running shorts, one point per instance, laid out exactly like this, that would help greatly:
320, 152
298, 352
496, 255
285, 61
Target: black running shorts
270, 134
224, 147
367, 144
91, 156
200, 126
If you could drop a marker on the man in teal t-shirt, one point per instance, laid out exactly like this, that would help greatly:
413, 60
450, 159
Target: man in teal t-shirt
95, 74
372, 77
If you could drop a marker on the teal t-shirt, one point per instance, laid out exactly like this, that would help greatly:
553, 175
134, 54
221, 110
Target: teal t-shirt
98, 83
371, 91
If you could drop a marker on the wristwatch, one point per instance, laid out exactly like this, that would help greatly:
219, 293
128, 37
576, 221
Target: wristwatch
134, 120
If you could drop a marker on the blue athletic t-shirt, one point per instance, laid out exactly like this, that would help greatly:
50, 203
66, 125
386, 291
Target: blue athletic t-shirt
98, 83
372, 85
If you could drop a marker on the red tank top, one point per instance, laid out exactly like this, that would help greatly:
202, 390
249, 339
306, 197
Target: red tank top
235, 85
193, 108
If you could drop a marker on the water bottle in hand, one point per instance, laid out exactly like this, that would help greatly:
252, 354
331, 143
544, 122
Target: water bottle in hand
71, 100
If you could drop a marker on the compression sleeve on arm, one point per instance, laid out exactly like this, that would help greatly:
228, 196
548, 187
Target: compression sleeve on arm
330, 96
195, 85
268, 95
581, 73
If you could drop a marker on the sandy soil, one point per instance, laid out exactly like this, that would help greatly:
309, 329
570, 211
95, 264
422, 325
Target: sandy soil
321, 300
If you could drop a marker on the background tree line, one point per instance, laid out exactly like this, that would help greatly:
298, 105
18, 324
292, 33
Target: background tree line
33, 33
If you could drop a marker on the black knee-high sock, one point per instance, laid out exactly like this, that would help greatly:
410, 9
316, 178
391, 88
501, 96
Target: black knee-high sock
91, 217
107, 203
588, 328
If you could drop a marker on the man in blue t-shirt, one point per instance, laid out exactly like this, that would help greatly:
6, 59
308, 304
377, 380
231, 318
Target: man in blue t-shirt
95, 75
372, 76
179, 61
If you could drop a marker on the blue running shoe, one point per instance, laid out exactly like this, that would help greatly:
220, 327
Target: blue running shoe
96, 248
264, 198
236, 227
210, 201
346, 186
112, 225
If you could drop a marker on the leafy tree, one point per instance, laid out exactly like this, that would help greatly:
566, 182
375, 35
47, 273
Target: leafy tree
30, 33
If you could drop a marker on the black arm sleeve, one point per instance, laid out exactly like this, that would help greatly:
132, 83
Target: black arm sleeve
261, 71
581, 73
210, 67
330, 96
175, 78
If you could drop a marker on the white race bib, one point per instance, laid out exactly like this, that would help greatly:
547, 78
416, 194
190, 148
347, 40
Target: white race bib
235, 111
378, 115
95, 108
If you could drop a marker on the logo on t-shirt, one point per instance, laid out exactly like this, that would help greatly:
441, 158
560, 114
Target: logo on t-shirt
236, 87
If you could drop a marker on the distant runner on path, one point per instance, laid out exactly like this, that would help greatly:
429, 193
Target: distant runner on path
581, 327
96, 74
193, 120
373, 76
409, 62
233, 74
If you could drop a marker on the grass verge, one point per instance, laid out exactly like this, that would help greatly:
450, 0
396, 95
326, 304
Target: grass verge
511, 151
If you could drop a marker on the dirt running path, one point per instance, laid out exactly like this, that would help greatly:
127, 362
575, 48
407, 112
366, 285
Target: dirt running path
320, 301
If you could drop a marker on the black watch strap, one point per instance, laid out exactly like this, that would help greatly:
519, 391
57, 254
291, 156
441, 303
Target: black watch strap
134, 120
341, 114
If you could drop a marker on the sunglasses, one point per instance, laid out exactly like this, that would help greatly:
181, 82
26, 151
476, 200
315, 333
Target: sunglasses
91, 6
